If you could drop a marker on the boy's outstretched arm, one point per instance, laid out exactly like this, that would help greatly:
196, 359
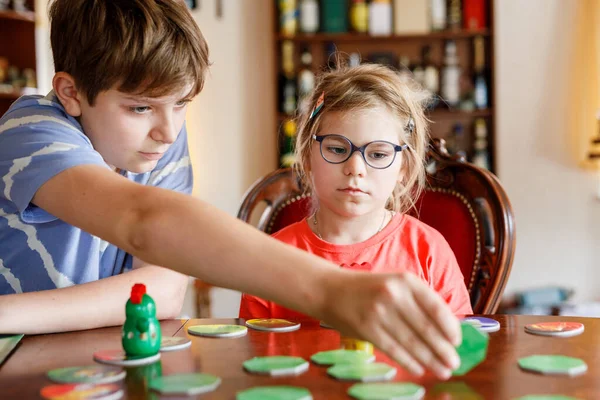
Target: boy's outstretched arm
90, 305
397, 313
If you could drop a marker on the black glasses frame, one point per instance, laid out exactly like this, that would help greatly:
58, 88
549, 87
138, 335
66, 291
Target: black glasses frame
361, 149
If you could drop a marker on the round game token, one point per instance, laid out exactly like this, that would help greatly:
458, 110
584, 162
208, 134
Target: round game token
387, 391
324, 324
274, 393
276, 365
362, 372
355, 344
342, 356
272, 325
105, 391
185, 384
562, 329
220, 331
118, 357
553, 365
546, 397
95, 374
173, 343
484, 324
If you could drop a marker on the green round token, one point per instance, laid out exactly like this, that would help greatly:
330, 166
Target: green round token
274, 393
546, 397
96, 374
362, 372
553, 364
218, 330
342, 356
387, 391
185, 384
276, 365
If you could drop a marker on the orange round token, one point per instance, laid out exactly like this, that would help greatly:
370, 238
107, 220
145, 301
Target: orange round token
561, 329
272, 325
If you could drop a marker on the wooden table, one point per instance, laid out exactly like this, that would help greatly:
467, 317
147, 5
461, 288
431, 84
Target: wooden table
498, 377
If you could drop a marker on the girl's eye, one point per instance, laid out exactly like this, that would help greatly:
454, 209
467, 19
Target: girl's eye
378, 156
139, 110
336, 150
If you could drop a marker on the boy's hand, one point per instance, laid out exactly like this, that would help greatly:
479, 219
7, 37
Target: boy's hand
400, 315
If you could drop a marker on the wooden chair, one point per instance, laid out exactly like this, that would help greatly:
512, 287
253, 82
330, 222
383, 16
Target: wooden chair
466, 204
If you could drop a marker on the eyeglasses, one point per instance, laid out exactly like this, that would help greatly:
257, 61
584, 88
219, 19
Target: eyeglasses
336, 149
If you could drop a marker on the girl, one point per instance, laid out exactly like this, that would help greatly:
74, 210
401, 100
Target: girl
360, 152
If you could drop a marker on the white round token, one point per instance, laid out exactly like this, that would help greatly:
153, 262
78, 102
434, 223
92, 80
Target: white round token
272, 325
118, 357
483, 324
174, 343
218, 331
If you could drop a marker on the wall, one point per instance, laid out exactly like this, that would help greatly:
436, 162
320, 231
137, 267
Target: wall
231, 123
542, 81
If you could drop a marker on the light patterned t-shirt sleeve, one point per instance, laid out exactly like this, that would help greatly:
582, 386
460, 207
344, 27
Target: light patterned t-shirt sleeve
33, 149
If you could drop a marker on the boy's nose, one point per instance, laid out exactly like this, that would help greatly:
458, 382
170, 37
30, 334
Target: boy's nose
165, 133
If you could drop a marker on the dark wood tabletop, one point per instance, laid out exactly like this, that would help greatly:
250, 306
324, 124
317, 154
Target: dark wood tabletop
498, 377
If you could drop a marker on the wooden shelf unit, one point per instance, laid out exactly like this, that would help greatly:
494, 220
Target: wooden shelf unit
410, 45
17, 44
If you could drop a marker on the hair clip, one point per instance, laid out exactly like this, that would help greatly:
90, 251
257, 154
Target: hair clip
410, 126
318, 106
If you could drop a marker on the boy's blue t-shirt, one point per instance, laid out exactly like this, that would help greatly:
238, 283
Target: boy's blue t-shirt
38, 139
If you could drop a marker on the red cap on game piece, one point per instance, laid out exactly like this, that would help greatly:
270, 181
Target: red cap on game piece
137, 292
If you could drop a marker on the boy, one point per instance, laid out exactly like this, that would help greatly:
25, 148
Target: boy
89, 200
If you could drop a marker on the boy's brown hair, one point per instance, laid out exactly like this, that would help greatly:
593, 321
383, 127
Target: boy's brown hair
365, 87
145, 47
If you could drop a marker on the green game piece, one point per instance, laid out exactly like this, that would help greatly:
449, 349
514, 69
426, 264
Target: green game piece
218, 330
7, 344
141, 331
274, 393
546, 397
276, 365
362, 372
553, 364
472, 350
387, 391
185, 384
342, 356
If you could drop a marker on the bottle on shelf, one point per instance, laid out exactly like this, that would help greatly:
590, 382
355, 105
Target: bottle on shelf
474, 14
288, 17
418, 73
431, 76
454, 21
479, 80
288, 81
359, 16
457, 143
438, 15
309, 16
306, 77
330, 55
334, 16
481, 156
354, 60
380, 18
451, 72
289, 137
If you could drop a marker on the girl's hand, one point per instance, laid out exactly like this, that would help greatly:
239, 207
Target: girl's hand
400, 315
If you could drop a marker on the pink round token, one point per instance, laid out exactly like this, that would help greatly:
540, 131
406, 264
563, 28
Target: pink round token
561, 329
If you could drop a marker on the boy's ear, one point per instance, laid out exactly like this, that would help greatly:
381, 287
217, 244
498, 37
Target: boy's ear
67, 93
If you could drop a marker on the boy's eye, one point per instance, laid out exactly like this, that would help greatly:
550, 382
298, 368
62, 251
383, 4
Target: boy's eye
181, 103
139, 110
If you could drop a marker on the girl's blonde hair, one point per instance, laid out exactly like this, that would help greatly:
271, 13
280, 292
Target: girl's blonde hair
365, 87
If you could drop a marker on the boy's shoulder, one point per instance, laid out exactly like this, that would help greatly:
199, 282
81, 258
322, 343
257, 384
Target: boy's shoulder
31, 111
